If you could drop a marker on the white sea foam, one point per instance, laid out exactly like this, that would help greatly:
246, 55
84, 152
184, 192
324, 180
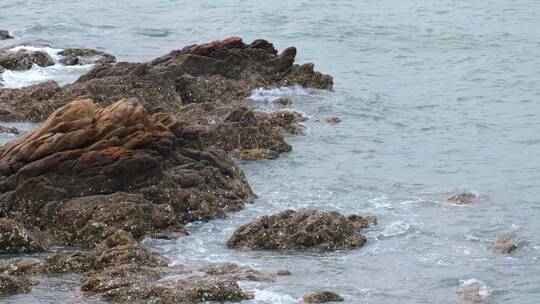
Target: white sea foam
58, 72
269, 297
262, 94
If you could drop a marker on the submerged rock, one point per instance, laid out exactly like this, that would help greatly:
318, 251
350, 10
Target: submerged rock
95, 170
11, 130
5, 35
24, 60
333, 120
283, 272
506, 243
464, 198
303, 229
76, 56
15, 238
474, 291
220, 71
322, 297
284, 101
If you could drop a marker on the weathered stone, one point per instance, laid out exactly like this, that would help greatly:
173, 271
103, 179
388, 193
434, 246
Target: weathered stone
237, 272
56, 264
15, 238
283, 272
303, 229
322, 297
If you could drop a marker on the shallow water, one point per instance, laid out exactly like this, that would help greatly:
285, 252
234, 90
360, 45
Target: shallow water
436, 97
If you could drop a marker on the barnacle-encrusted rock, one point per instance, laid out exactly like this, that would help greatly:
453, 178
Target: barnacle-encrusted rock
322, 297
302, 229
23, 59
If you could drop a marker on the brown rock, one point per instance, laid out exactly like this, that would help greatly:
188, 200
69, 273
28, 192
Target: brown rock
303, 229
55, 264
95, 170
236, 272
322, 297
15, 238
464, 198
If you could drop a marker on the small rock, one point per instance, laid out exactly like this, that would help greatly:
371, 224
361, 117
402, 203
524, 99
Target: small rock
283, 272
14, 238
77, 262
322, 297
506, 243
333, 120
5, 35
75, 56
254, 154
11, 130
474, 292
284, 101
465, 198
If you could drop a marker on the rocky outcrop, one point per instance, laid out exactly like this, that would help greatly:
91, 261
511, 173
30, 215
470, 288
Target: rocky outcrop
220, 71
322, 297
5, 35
95, 170
15, 238
23, 59
303, 229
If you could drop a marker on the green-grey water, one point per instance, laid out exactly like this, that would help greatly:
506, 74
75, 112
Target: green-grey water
436, 97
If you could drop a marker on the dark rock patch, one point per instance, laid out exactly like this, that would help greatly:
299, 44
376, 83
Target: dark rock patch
333, 120
15, 238
5, 35
24, 60
78, 56
10, 130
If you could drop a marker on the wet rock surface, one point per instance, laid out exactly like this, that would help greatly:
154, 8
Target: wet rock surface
303, 229
219, 71
24, 60
322, 297
10, 284
333, 120
464, 198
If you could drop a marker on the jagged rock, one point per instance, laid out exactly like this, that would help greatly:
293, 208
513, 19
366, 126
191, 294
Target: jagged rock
18, 267
23, 60
76, 56
95, 170
506, 243
55, 264
322, 297
303, 229
237, 272
15, 238
219, 71
333, 120
10, 284
11, 130
5, 35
